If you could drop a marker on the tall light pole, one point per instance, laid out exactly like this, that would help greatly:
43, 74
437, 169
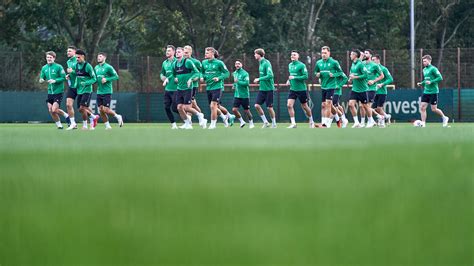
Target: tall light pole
412, 41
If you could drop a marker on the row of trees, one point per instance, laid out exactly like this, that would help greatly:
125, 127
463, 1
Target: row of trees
145, 27
232, 26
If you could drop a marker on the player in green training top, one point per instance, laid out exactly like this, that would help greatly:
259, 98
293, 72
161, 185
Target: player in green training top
241, 94
431, 78
105, 75
71, 80
298, 90
166, 76
214, 72
85, 77
381, 94
358, 76
188, 53
185, 72
54, 75
337, 109
265, 92
327, 70
374, 75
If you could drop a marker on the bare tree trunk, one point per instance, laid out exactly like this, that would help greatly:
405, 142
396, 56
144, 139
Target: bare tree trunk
312, 22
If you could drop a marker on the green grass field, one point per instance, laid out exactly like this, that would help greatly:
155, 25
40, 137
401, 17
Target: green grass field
148, 195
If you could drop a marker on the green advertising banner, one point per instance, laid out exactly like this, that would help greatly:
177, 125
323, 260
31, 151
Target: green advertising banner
402, 104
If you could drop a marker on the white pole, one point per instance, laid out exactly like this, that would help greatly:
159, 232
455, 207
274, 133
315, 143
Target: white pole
412, 41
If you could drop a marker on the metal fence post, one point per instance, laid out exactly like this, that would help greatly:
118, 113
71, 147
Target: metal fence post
118, 71
459, 84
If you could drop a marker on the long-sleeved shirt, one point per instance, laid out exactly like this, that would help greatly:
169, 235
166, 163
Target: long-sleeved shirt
241, 86
432, 74
214, 68
358, 69
298, 70
387, 79
71, 63
340, 82
167, 72
373, 72
85, 78
56, 72
198, 65
266, 75
325, 68
108, 72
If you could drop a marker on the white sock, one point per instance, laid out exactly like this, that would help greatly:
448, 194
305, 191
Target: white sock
371, 120
228, 115
58, 124
213, 123
323, 120
107, 124
362, 120
174, 124
73, 121
337, 117
241, 120
329, 122
200, 116
274, 121
84, 123
356, 120
264, 119
251, 122
343, 116
116, 115
311, 120
65, 115
292, 120
223, 116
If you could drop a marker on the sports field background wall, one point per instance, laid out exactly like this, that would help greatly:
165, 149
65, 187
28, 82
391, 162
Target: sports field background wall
402, 104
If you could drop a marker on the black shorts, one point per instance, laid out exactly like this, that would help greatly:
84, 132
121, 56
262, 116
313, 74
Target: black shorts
55, 98
359, 96
83, 100
379, 100
183, 96
371, 96
301, 95
430, 98
104, 99
193, 94
244, 102
327, 94
265, 97
214, 96
335, 100
71, 93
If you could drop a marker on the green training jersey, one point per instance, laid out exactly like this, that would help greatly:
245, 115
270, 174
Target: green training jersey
198, 65
241, 84
298, 70
56, 72
373, 72
85, 78
326, 68
432, 74
387, 79
340, 82
71, 63
358, 69
167, 72
214, 68
108, 72
185, 70
266, 75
